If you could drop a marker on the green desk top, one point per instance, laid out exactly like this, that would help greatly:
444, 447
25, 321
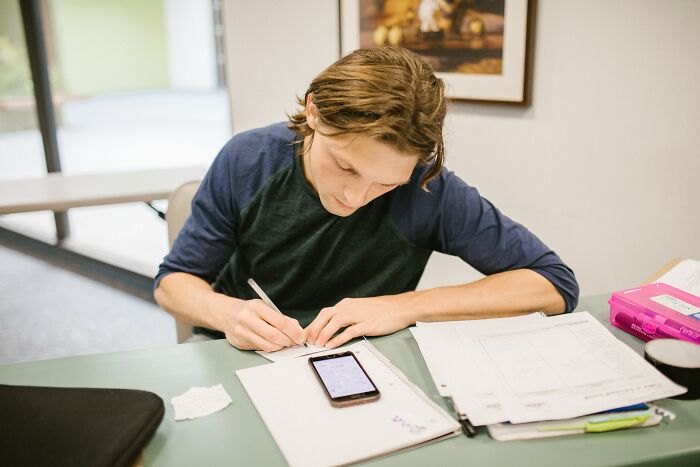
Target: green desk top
238, 436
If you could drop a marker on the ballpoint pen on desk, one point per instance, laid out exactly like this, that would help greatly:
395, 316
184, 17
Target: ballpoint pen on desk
263, 296
467, 427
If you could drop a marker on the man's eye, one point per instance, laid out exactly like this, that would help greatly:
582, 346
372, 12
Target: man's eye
344, 169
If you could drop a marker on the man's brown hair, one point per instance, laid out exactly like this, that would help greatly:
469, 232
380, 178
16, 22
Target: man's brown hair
386, 93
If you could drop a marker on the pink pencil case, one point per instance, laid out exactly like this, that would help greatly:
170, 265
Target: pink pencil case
656, 311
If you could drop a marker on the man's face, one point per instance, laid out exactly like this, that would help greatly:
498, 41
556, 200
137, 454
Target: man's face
349, 171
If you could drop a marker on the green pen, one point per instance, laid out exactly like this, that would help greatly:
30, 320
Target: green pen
618, 424
602, 424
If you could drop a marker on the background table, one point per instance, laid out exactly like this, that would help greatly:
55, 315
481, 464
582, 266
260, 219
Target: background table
237, 435
59, 192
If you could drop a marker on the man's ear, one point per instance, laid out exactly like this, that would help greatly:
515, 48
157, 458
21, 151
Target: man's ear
311, 112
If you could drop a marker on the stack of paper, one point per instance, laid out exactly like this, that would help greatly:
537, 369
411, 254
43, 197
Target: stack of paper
685, 276
533, 368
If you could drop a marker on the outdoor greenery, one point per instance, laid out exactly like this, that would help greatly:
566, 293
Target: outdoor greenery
15, 78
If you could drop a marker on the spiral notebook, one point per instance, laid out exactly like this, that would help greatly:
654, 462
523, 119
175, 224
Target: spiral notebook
311, 432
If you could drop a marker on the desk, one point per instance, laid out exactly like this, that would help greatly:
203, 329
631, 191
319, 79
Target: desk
238, 436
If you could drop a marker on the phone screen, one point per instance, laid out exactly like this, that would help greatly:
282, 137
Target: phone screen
343, 377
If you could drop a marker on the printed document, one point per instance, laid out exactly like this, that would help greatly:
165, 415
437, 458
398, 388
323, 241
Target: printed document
517, 370
466, 379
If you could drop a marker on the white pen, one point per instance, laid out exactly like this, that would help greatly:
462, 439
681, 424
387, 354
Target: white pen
254, 285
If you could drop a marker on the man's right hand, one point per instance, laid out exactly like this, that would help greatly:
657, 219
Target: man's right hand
255, 326
248, 324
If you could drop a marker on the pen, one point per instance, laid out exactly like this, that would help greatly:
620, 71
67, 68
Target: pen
467, 427
627, 408
634, 326
602, 425
254, 285
683, 330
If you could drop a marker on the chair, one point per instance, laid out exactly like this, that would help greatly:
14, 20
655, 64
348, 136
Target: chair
179, 209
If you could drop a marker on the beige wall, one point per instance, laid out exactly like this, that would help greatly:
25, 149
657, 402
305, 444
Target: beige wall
603, 166
273, 50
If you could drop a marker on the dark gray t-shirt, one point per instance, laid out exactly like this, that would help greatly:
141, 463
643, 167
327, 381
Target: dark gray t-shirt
256, 216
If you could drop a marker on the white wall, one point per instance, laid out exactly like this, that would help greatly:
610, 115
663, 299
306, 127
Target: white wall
605, 164
273, 51
191, 51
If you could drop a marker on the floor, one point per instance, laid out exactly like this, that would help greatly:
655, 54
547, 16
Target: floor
49, 312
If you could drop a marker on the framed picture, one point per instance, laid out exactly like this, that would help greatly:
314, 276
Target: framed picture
480, 48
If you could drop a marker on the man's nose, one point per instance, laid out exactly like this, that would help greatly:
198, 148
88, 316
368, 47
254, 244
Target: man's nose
356, 194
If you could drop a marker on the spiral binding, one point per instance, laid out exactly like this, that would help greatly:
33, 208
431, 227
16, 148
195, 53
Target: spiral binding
402, 377
387, 363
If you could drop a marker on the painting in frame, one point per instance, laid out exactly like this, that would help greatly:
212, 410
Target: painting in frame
480, 48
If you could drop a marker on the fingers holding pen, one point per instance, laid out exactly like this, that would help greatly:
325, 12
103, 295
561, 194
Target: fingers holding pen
289, 326
256, 327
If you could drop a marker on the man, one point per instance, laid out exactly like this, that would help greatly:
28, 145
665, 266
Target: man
335, 216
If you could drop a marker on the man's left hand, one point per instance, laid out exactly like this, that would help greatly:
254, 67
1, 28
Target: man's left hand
372, 316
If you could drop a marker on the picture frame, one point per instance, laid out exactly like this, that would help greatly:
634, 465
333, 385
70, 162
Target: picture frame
488, 65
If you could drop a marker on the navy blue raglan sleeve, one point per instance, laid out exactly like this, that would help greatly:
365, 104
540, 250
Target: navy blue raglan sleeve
455, 219
208, 238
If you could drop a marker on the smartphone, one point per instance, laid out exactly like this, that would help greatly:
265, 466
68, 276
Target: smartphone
343, 379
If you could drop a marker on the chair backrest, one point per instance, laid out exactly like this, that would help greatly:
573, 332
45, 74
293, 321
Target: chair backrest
179, 209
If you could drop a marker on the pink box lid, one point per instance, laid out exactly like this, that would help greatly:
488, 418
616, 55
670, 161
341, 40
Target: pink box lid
664, 300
